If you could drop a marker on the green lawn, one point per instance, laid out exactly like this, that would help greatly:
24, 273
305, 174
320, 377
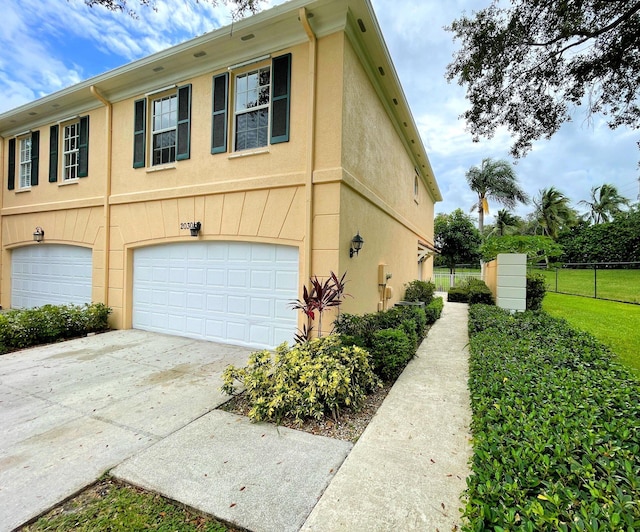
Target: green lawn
618, 285
616, 325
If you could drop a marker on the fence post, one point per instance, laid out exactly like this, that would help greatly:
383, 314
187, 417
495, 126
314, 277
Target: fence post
595, 281
556, 280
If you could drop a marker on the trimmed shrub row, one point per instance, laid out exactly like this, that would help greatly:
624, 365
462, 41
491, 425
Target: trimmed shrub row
391, 337
471, 291
26, 328
555, 428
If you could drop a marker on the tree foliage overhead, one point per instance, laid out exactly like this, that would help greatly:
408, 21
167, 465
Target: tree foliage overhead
240, 7
535, 247
525, 66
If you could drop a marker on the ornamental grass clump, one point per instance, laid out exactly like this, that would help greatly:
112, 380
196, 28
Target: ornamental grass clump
309, 380
555, 428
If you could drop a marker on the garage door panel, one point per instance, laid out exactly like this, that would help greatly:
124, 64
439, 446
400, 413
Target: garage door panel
53, 274
231, 292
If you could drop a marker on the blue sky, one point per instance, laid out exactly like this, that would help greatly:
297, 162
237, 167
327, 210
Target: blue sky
50, 44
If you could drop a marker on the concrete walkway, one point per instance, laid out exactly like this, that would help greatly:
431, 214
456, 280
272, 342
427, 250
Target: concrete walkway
408, 470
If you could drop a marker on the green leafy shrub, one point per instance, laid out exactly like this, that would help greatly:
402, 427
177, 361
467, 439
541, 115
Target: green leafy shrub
471, 291
310, 379
555, 428
433, 310
363, 331
458, 295
390, 352
26, 328
536, 289
419, 291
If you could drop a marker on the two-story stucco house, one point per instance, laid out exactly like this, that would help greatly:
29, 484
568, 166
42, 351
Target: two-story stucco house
273, 143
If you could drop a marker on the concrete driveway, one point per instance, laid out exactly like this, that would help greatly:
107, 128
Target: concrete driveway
73, 410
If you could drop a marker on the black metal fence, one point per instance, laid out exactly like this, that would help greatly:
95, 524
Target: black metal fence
615, 281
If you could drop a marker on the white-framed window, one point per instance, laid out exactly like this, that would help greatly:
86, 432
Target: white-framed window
251, 107
252, 97
162, 127
70, 151
25, 162
164, 123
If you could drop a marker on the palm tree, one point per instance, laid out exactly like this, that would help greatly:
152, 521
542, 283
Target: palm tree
494, 180
605, 203
553, 212
505, 222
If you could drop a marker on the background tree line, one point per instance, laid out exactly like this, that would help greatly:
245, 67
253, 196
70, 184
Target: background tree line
607, 231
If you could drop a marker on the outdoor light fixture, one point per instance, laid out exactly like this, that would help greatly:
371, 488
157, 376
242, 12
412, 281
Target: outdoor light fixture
356, 245
38, 234
195, 228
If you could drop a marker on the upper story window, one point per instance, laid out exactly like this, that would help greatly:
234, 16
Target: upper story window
260, 103
25, 162
252, 99
70, 151
169, 137
73, 144
165, 122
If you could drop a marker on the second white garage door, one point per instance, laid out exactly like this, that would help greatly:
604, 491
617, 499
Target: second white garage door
50, 274
232, 292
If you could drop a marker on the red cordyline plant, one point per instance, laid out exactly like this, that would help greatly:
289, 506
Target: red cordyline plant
322, 295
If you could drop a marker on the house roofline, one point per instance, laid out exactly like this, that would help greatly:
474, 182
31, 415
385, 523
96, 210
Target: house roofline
269, 31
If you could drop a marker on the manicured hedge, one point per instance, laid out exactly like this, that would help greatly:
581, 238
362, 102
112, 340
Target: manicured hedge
472, 291
556, 429
26, 328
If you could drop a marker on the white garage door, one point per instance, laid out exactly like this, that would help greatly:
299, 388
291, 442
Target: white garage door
50, 274
232, 292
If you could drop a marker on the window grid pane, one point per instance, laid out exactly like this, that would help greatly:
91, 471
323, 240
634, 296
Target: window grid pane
252, 98
25, 163
164, 122
70, 151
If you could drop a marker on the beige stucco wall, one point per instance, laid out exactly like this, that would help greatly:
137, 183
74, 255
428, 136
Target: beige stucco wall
204, 173
46, 196
270, 216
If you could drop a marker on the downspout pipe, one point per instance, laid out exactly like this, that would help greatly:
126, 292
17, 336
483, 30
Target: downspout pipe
311, 138
107, 193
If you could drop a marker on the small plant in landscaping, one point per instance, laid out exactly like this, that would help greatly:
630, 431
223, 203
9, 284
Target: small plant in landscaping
391, 350
312, 379
419, 291
322, 296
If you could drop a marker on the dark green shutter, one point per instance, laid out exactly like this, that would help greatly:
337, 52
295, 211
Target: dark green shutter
83, 147
183, 140
11, 173
35, 157
280, 99
53, 153
139, 132
219, 120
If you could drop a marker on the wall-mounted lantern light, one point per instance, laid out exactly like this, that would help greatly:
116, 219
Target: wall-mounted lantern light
38, 234
356, 245
195, 228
